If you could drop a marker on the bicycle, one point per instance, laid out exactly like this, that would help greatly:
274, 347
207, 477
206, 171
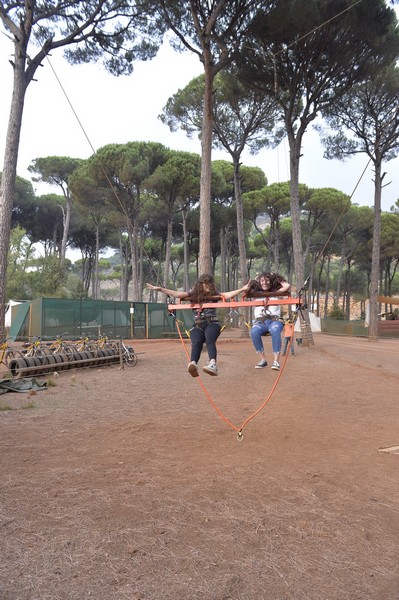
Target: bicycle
34, 348
7, 353
84, 344
128, 354
59, 346
104, 343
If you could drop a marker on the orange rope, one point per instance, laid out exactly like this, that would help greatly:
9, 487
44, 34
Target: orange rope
203, 386
271, 391
221, 415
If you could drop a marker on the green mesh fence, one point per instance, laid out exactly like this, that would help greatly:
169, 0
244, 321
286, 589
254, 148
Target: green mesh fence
72, 319
386, 329
342, 327
48, 318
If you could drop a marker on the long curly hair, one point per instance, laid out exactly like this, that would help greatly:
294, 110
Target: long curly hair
275, 283
198, 295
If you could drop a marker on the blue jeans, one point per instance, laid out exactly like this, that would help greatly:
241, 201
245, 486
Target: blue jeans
286, 342
269, 326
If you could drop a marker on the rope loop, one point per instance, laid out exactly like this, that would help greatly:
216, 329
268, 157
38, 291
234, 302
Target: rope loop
239, 430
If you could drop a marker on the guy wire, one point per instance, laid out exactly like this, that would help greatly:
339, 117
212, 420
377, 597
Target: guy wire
112, 187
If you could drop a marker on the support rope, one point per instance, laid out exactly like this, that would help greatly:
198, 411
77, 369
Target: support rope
239, 430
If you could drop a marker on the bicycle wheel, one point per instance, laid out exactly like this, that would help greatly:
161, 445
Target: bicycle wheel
11, 355
37, 352
130, 358
68, 351
92, 347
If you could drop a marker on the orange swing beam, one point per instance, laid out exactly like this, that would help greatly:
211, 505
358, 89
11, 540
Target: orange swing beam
183, 304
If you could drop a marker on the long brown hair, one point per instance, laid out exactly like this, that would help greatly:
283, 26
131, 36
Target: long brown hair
198, 295
275, 282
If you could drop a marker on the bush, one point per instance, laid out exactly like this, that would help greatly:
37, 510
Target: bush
337, 313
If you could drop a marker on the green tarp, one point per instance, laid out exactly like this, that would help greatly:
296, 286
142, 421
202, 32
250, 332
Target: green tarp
22, 385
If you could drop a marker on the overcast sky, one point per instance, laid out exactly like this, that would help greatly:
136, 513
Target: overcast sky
124, 109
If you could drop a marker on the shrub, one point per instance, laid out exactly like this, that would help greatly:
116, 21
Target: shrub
337, 313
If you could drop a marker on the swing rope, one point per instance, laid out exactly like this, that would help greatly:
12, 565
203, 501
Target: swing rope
225, 419
239, 430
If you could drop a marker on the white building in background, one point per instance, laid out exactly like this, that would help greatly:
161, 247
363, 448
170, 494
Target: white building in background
10, 304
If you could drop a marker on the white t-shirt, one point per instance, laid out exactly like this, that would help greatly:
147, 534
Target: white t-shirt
267, 311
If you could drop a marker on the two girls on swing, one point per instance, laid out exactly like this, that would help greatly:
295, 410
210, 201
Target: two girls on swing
206, 327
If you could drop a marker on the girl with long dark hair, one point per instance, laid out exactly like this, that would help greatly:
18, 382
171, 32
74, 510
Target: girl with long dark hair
206, 327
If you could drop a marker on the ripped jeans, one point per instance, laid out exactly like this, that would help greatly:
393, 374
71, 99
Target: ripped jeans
273, 327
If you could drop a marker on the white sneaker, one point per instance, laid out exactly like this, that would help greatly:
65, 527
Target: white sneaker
193, 369
275, 366
211, 369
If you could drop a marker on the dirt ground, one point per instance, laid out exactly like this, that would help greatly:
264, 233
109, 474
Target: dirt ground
132, 484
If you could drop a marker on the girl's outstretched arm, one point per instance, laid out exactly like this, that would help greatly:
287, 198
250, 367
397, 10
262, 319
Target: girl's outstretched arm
166, 291
233, 293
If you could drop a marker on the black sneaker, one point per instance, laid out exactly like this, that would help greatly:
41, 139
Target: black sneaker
261, 364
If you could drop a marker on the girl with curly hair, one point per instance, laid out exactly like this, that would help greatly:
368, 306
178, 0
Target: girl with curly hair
267, 318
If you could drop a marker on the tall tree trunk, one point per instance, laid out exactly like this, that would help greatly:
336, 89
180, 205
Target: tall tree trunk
125, 270
88, 274
10, 168
186, 282
322, 263
241, 240
204, 260
339, 277
140, 266
327, 286
375, 254
223, 258
240, 222
348, 293
277, 245
95, 290
66, 220
295, 153
84, 259
168, 247
121, 286
295, 146
133, 240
